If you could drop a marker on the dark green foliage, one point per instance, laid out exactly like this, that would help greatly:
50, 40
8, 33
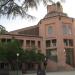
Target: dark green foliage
30, 56
40, 57
12, 49
8, 51
2, 30
2, 52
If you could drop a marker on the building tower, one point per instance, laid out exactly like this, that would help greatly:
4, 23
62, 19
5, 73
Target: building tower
57, 30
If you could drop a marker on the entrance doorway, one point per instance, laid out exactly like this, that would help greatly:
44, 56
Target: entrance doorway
70, 56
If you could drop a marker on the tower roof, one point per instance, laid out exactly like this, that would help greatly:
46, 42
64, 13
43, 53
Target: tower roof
56, 7
55, 10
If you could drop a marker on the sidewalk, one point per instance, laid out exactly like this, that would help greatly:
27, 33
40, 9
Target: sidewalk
56, 73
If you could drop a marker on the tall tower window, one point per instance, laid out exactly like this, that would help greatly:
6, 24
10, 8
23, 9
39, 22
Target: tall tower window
50, 30
67, 29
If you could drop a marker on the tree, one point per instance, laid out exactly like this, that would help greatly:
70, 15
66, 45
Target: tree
8, 51
2, 52
2, 30
40, 57
31, 56
19, 7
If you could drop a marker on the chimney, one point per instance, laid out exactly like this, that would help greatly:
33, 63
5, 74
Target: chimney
57, 7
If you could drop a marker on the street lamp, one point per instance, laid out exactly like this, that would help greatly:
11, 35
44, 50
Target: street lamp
17, 62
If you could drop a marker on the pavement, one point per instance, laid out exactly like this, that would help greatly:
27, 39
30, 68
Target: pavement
56, 73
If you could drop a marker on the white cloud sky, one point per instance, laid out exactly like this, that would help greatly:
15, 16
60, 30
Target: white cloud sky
17, 23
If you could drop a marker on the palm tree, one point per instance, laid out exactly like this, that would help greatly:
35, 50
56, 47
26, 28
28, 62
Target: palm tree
19, 7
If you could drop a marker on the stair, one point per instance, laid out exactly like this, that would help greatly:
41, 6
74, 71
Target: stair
68, 67
4, 72
54, 66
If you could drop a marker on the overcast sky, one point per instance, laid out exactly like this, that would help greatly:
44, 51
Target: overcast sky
18, 23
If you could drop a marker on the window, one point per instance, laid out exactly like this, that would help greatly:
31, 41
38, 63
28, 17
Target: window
50, 30
54, 42
28, 43
3, 40
65, 42
51, 43
32, 43
8, 40
68, 42
39, 44
52, 54
21, 42
67, 29
48, 43
1, 65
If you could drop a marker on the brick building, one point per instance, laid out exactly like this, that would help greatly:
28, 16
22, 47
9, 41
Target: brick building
54, 35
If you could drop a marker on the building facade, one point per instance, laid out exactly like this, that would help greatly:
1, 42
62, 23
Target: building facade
54, 35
